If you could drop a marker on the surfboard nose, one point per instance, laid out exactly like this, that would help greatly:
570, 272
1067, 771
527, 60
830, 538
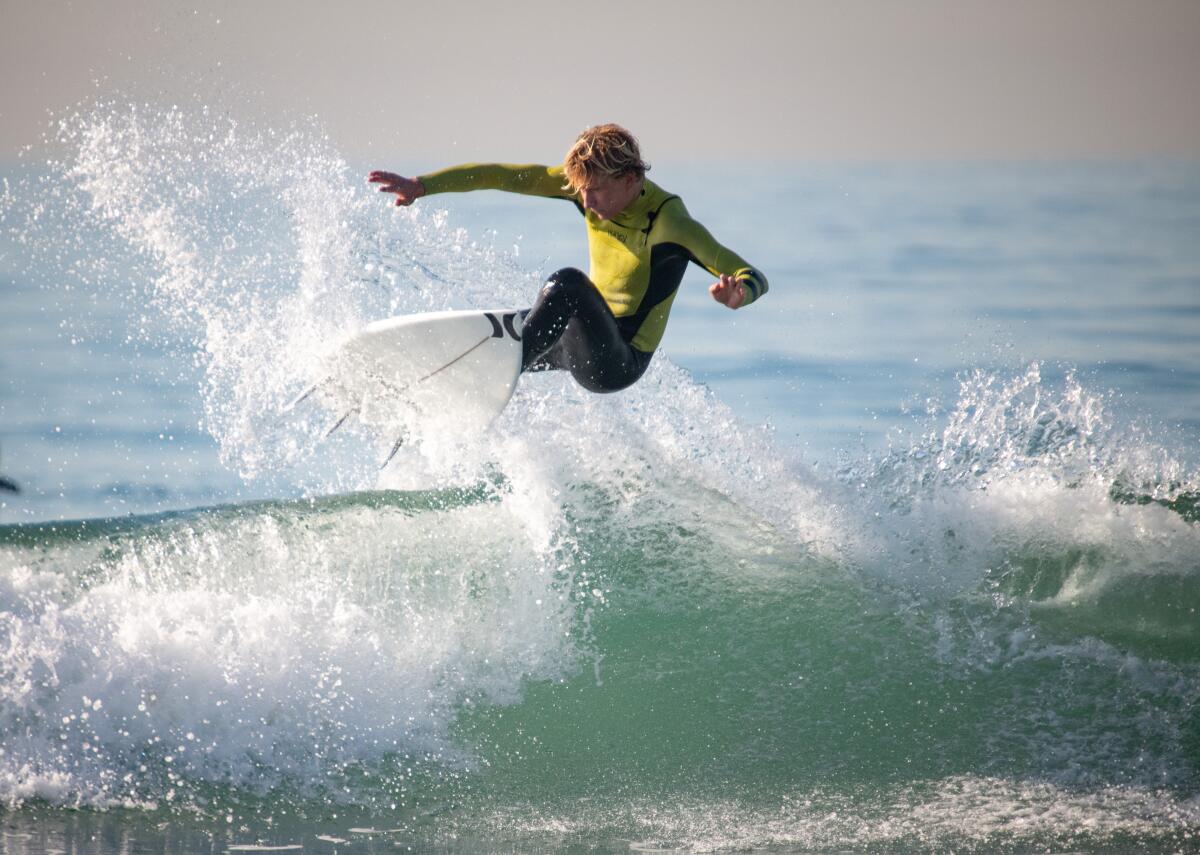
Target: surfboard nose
426, 374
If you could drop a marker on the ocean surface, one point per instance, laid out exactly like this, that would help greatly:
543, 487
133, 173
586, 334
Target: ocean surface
903, 558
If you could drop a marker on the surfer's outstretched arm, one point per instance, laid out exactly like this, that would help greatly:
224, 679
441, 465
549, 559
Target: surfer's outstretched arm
529, 179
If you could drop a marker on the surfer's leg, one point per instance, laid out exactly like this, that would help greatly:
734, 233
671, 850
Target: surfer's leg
570, 327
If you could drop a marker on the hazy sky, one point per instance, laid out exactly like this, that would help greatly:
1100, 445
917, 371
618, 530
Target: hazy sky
405, 82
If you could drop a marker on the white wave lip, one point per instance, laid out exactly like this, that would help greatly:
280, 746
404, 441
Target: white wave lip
1022, 468
257, 652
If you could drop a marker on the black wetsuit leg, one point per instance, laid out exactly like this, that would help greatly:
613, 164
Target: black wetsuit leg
570, 327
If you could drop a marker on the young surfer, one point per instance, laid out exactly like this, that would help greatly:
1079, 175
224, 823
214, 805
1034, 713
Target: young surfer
603, 327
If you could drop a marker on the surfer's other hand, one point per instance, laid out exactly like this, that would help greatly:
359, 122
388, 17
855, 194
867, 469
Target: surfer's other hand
728, 291
407, 190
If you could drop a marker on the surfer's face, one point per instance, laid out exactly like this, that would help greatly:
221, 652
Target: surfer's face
606, 196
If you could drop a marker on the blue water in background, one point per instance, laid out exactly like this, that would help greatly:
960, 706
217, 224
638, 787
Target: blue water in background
887, 282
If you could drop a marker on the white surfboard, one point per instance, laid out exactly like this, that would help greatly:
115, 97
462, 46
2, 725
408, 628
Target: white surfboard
424, 374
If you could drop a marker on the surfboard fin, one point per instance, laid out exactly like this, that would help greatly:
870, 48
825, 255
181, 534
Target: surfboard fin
303, 396
340, 422
395, 448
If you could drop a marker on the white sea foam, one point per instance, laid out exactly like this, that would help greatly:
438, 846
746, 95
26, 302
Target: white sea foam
266, 648
1024, 469
941, 815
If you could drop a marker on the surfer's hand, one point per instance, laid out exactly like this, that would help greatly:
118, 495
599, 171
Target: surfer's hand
728, 291
407, 190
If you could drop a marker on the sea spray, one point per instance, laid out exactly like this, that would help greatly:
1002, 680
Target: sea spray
259, 254
1023, 465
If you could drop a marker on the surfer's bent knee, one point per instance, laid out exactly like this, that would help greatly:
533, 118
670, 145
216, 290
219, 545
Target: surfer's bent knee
594, 351
566, 281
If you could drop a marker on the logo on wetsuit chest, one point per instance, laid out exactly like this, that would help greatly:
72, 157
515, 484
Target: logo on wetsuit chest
628, 236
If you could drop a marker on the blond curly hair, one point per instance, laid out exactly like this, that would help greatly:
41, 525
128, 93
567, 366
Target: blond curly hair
603, 150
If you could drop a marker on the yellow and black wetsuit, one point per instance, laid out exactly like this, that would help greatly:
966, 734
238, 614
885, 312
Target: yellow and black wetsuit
638, 259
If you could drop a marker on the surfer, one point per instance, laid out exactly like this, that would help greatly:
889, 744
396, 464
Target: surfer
603, 327
8, 485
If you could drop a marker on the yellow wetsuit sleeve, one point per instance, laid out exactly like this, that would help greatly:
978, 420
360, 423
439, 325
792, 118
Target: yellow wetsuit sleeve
679, 227
530, 179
